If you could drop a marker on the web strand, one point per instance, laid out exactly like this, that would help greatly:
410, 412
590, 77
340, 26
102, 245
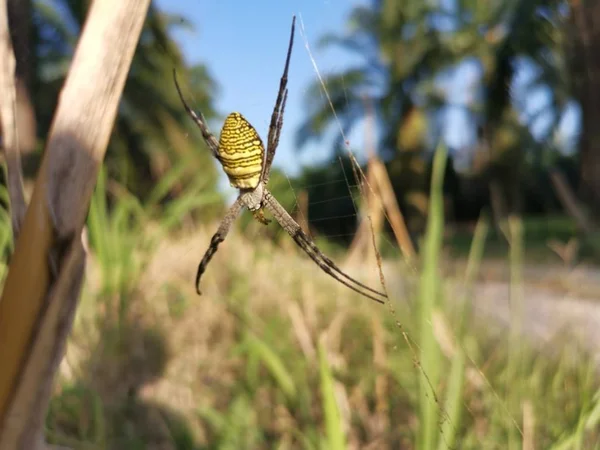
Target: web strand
363, 182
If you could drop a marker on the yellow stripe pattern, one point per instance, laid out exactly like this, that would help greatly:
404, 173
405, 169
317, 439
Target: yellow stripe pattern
241, 152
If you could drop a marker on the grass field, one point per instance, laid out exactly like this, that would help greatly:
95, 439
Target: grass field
276, 355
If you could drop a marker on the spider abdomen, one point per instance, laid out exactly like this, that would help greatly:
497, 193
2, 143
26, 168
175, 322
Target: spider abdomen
241, 152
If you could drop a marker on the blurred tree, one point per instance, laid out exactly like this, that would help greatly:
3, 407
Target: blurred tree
19, 18
582, 47
152, 129
400, 46
406, 46
502, 36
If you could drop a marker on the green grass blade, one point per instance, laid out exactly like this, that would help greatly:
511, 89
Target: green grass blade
275, 366
515, 354
335, 437
473, 265
429, 294
98, 227
589, 421
185, 204
167, 181
454, 402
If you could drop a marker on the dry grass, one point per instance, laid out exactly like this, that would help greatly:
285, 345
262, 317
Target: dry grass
239, 366
275, 354
249, 288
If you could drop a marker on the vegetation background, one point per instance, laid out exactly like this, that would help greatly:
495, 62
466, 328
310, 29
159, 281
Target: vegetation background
275, 354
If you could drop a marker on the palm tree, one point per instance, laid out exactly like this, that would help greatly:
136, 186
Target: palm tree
151, 130
583, 43
405, 47
400, 47
504, 36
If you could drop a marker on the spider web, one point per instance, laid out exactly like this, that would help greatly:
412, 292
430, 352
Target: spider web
362, 181
358, 179
357, 189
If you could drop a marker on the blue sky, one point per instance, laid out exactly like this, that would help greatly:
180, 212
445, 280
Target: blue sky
244, 44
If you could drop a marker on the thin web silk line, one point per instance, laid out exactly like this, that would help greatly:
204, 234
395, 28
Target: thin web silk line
365, 181
314, 63
357, 167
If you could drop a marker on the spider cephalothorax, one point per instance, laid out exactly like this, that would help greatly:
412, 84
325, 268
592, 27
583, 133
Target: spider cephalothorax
245, 161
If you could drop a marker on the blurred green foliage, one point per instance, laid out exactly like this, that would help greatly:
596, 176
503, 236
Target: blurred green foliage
281, 361
406, 50
272, 357
152, 132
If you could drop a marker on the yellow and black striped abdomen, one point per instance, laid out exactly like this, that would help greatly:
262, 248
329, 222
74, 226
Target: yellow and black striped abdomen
241, 152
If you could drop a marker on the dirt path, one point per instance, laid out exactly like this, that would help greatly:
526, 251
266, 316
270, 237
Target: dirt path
547, 316
559, 306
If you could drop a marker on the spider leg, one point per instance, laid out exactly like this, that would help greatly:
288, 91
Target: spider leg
209, 138
218, 237
331, 269
277, 116
309, 247
279, 126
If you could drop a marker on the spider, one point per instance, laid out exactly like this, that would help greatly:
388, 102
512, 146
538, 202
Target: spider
242, 154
